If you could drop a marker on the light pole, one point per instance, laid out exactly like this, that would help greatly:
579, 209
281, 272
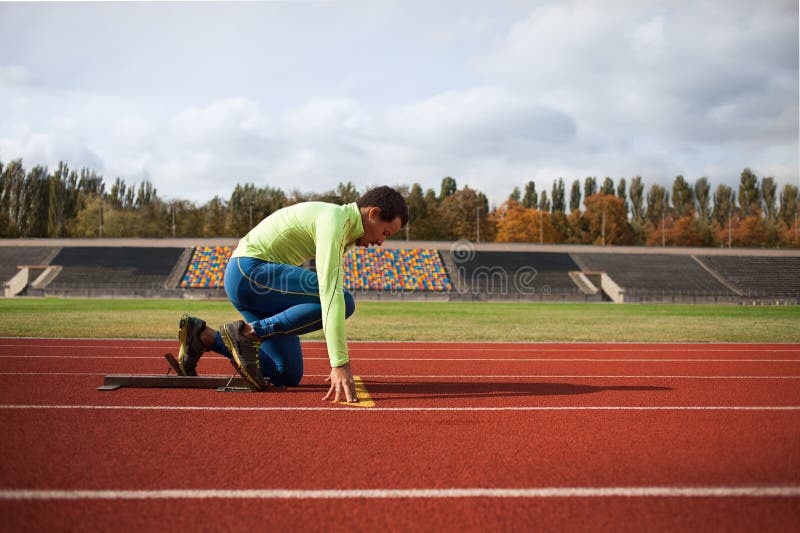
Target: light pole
730, 227
541, 226
478, 224
604, 227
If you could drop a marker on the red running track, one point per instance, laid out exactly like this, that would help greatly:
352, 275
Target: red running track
539, 436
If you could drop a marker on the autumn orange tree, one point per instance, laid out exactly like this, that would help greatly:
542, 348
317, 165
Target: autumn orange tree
516, 223
606, 220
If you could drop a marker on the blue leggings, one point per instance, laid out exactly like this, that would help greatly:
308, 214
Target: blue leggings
281, 302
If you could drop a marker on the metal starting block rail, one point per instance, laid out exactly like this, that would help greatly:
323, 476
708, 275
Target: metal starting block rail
160, 381
166, 381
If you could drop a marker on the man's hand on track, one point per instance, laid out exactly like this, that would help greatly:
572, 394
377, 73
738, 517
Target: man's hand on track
343, 386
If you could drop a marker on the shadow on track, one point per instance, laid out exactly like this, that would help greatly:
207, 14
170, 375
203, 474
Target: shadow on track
382, 390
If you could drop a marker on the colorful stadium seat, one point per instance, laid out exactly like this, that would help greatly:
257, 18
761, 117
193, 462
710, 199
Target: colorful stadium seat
365, 269
207, 267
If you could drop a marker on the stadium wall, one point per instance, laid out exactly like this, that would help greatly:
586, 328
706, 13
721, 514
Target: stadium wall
459, 291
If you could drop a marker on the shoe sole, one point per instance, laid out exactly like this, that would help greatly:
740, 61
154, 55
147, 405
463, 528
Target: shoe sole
237, 362
182, 331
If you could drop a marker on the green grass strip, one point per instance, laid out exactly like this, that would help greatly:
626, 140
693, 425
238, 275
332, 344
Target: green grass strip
441, 321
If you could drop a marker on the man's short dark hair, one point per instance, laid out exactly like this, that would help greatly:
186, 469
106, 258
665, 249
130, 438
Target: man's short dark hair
390, 201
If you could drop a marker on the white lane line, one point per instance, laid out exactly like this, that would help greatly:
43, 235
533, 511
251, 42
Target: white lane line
384, 341
559, 359
53, 373
548, 376
474, 378
81, 357
770, 491
455, 347
444, 376
343, 407
412, 359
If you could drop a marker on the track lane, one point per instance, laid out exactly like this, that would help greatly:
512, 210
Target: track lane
215, 364
438, 392
115, 348
394, 449
151, 450
468, 515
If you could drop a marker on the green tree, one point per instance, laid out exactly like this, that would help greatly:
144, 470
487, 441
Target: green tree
55, 205
515, 195
117, 194
13, 184
558, 196
637, 199
682, 197
530, 199
459, 214
146, 195
622, 194
422, 214
790, 199
575, 196
608, 186
657, 205
589, 186
544, 203
448, 188
724, 204
702, 198
749, 194
769, 198
90, 183
35, 199
638, 224
214, 218
347, 192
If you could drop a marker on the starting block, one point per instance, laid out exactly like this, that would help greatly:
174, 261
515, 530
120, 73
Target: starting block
233, 383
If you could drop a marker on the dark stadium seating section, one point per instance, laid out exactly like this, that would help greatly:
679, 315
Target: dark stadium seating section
758, 276
643, 273
114, 267
517, 273
13, 256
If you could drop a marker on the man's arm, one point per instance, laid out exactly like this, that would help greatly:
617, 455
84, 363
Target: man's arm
330, 244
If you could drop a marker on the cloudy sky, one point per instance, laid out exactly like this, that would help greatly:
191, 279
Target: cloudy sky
302, 95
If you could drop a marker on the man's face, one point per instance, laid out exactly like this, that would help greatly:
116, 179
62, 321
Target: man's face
376, 230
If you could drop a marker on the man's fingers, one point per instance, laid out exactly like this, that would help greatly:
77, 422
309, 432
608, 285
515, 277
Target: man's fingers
351, 392
329, 393
338, 392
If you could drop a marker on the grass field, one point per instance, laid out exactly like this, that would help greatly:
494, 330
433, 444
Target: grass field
424, 321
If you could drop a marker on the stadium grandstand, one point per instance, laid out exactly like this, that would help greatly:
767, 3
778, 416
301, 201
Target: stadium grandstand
190, 268
754, 276
654, 277
365, 269
518, 275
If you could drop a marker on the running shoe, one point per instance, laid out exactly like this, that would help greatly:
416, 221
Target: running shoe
191, 349
245, 354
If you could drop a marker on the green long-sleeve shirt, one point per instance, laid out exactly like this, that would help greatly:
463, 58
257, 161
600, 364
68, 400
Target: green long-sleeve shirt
312, 229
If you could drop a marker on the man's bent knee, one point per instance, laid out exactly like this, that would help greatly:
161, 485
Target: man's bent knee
349, 304
293, 379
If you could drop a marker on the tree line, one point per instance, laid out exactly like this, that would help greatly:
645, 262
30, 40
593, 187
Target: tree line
69, 203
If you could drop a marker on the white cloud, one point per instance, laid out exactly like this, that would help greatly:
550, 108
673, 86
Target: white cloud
15, 75
394, 94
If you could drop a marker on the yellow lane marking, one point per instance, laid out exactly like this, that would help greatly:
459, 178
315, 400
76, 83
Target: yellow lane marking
364, 399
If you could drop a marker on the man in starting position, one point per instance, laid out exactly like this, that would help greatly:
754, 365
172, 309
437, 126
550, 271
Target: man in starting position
280, 300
